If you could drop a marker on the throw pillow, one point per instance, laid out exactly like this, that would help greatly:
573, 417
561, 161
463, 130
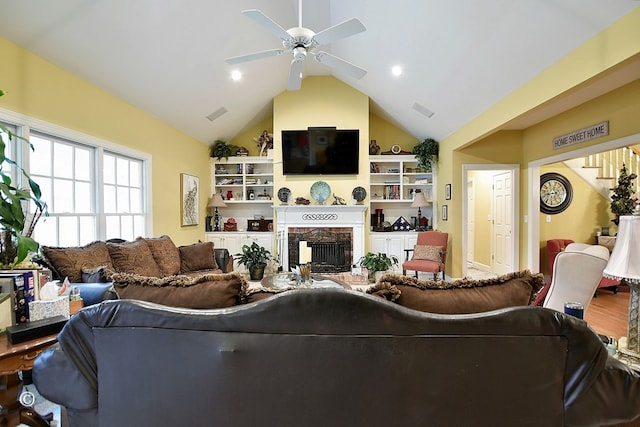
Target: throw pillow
133, 257
198, 256
166, 254
427, 252
460, 296
69, 262
199, 292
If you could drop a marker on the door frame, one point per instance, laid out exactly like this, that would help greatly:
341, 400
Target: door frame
533, 195
515, 208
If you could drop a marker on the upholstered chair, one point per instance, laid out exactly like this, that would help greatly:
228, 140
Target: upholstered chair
576, 274
429, 254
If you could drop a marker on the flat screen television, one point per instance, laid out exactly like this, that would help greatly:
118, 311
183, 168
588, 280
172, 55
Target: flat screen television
320, 151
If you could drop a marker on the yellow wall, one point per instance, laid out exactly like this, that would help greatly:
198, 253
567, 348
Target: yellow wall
245, 139
322, 101
482, 211
599, 56
587, 213
41, 90
386, 135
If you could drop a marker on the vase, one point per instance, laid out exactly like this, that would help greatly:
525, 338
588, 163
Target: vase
256, 273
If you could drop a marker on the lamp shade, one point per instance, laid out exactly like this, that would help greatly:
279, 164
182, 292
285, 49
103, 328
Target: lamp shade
419, 200
624, 262
216, 201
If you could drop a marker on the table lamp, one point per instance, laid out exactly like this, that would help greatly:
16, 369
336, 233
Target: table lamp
419, 201
216, 202
624, 264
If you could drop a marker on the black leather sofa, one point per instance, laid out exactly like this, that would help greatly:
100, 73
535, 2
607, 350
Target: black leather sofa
332, 357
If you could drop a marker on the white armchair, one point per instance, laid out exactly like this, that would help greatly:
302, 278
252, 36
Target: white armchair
576, 274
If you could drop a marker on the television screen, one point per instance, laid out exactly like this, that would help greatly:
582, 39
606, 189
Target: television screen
320, 151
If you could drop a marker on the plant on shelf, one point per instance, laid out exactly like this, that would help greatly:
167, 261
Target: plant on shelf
255, 258
622, 199
220, 149
16, 227
379, 262
426, 152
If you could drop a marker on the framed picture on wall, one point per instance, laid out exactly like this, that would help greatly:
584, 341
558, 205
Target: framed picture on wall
445, 212
189, 188
447, 192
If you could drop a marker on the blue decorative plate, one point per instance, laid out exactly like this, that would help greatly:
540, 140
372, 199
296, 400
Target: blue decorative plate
320, 191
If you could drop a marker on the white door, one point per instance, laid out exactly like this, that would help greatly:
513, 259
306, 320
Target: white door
471, 222
502, 261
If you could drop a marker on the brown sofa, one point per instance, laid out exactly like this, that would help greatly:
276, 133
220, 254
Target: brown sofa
152, 269
332, 357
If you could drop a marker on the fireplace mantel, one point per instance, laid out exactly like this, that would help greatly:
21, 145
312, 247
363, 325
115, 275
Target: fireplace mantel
319, 216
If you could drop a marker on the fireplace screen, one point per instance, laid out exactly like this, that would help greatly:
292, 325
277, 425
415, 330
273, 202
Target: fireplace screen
331, 248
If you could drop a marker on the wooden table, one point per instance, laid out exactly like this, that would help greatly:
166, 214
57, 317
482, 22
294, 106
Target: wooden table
15, 358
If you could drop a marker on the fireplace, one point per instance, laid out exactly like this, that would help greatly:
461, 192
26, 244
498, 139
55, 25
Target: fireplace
334, 236
330, 248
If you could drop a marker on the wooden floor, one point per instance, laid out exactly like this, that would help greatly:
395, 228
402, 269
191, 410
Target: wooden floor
608, 313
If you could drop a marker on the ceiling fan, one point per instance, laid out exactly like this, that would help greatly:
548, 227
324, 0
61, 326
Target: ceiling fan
300, 42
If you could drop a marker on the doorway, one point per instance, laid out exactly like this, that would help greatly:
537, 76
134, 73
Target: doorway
492, 220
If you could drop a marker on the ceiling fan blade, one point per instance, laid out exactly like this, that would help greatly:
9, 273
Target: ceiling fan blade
253, 56
295, 75
339, 31
339, 63
267, 23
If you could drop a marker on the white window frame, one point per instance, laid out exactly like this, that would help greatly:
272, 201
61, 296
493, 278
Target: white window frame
24, 124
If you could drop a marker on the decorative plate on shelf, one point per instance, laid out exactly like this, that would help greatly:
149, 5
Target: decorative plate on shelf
283, 194
359, 194
320, 191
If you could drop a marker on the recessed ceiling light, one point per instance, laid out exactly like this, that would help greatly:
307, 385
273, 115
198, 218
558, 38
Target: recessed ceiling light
396, 70
236, 75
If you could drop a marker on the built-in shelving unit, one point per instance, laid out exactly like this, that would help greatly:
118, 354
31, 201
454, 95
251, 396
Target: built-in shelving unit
243, 179
393, 181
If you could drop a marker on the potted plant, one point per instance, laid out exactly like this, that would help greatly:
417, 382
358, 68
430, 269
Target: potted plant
377, 263
426, 153
220, 149
255, 258
16, 227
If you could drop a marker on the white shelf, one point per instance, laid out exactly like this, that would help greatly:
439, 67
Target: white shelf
245, 171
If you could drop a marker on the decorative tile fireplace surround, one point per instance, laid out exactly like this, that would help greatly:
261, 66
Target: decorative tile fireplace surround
338, 218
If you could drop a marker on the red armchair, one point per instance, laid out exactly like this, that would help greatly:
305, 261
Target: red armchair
431, 264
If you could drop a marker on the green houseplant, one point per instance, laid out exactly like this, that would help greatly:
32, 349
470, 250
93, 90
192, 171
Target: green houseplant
220, 149
426, 152
622, 202
255, 258
16, 227
379, 262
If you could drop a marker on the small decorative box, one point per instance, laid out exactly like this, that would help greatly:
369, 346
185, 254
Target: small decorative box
228, 226
260, 225
43, 309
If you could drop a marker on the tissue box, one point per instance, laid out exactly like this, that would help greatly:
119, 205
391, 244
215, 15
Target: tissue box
43, 309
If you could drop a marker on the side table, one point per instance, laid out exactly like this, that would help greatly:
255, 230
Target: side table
15, 358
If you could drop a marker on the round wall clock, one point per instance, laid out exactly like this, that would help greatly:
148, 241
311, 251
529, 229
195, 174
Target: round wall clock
556, 193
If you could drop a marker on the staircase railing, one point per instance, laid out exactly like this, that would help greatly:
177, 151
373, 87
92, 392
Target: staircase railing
609, 163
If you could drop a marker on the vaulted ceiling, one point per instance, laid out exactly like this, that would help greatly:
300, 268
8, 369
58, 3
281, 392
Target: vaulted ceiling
168, 57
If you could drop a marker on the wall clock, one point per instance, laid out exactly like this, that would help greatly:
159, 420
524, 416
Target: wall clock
556, 193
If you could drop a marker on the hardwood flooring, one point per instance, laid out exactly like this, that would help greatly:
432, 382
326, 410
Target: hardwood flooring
608, 313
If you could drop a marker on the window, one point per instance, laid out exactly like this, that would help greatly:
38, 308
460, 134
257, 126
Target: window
123, 196
94, 189
84, 205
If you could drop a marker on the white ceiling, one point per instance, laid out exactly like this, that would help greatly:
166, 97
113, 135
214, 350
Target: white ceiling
167, 57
